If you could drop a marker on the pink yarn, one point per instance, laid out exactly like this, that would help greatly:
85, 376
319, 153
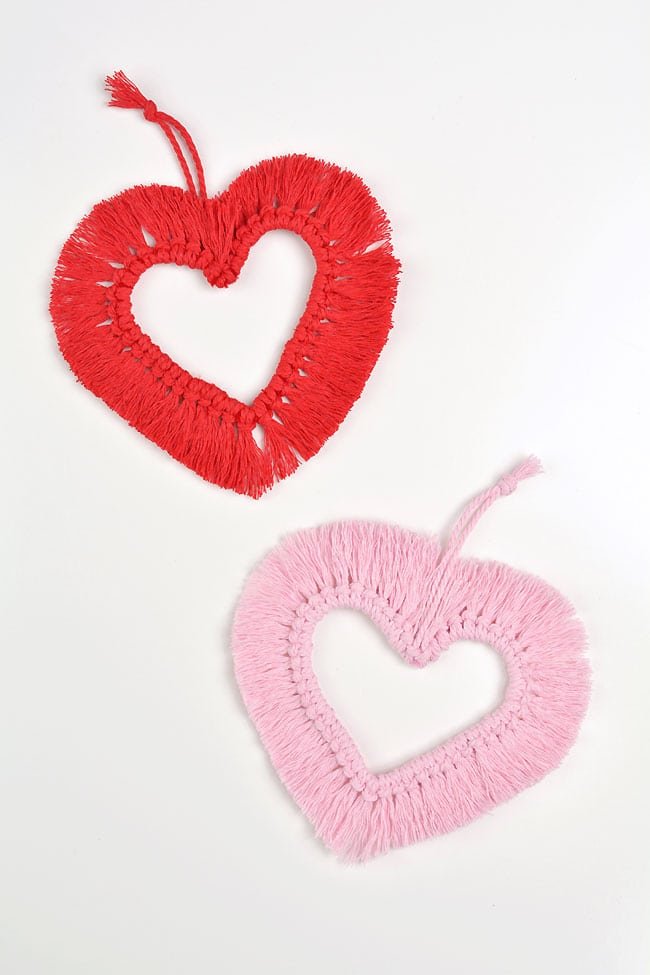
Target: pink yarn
423, 597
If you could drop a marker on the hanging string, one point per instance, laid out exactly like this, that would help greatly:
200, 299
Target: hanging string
477, 507
124, 94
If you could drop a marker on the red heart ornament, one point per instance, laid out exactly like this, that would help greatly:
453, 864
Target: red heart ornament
324, 365
423, 597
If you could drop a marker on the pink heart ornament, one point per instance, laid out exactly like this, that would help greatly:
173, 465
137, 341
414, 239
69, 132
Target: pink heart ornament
423, 597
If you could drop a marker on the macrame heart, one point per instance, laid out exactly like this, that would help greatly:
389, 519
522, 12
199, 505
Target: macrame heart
423, 597
323, 367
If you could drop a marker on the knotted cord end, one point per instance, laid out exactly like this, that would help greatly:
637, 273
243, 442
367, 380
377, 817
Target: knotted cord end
476, 508
528, 468
124, 94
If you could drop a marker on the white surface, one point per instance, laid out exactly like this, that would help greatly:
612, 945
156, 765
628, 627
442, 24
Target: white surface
141, 827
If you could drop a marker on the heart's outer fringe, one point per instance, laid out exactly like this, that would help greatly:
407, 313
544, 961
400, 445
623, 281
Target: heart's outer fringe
392, 575
323, 367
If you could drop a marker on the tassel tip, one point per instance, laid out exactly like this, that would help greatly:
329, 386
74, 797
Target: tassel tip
124, 94
528, 468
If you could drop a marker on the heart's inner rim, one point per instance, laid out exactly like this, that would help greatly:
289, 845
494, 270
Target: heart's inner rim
292, 367
393, 676
413, 648
211, 339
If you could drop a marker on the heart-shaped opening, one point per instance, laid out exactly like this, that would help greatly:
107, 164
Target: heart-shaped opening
394, 711
235, 337
323, 366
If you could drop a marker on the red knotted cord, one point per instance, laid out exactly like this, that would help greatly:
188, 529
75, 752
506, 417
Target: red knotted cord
124, 94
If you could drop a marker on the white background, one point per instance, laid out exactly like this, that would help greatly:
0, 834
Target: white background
142, 829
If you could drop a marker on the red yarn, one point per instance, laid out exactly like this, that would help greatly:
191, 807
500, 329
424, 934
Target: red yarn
324, 365
124, 94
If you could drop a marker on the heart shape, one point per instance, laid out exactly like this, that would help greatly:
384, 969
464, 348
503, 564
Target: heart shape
230, 336
423, 598
393, 711
324, 365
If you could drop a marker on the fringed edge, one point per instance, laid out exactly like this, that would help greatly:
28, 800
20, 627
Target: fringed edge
323, 367
357, 814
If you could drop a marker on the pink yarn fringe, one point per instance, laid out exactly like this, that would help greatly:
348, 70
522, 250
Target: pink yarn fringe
424, 598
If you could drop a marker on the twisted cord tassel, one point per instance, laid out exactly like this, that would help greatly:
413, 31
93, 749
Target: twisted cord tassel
124, 94
477, 507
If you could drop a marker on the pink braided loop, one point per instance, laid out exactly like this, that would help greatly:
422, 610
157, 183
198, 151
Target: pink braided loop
476, 508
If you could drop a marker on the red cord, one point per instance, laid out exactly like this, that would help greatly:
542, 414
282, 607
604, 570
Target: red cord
323, 367
124, 94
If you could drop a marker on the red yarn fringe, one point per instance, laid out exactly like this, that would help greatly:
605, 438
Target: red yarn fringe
323, 367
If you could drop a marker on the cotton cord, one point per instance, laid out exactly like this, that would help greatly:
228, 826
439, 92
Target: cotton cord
124, 94
424, 597
323, 367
